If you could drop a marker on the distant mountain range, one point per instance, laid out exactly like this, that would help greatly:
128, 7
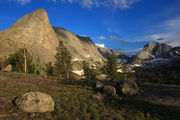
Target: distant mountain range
153, 51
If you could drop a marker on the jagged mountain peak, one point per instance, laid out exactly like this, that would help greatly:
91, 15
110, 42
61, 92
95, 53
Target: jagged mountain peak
153, 49
150, 51
38, 17
34, 32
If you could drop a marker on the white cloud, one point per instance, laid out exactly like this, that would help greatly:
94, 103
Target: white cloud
172, 39
167, 32
100, 45
123, 4
22, 2
101, 37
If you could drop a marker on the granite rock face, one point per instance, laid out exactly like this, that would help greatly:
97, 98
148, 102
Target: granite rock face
150, 51
34, 32
153, 49
81, 48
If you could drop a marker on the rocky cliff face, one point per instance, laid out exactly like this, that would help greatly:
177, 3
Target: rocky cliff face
34, 32
150, 51
153, 50
81, 48
105, 52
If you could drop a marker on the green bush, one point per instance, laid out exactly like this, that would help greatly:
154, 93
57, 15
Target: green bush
17, 60
89, 73
49, 69
32, 69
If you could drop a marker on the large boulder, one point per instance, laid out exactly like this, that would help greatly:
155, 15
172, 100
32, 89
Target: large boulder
128, 87
35, 102
109, 90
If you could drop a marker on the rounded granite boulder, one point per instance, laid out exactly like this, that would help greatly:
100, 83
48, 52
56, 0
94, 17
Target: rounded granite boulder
35, 102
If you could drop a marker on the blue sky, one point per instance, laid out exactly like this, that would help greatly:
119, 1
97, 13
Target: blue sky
124, 25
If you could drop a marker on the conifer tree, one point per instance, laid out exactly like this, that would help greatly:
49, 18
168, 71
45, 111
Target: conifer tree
63, 64
110, 68
89, 73
49, 69
19, 63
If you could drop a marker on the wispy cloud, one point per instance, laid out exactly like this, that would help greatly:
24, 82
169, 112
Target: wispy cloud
22, 2
167, 32
114, 38
101, 37
123, 4
100, 45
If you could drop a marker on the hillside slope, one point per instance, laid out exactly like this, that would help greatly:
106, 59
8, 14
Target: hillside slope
34, 32
81, 48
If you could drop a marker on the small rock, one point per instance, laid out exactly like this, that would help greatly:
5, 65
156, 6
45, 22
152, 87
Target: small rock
99, 85
35, 102
8, 68
109, 90
45, 76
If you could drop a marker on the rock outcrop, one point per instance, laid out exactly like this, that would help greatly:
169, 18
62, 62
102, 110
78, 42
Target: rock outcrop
153, 49
34, 32
35, 102
81, 48
150, 51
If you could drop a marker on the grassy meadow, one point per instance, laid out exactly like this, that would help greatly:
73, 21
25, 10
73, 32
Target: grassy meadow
73, 100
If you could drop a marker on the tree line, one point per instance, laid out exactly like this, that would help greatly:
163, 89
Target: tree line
22, 61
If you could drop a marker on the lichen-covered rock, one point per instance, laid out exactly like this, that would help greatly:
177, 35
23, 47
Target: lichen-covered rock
35, 102
109, 90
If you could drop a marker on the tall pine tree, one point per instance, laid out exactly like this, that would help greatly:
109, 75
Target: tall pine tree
63, 64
